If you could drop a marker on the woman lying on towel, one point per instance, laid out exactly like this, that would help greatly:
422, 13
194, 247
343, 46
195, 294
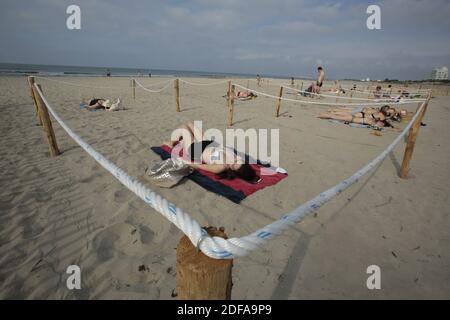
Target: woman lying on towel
369, 116
244, 94
210, 156
104, 104
388, 112
96, 104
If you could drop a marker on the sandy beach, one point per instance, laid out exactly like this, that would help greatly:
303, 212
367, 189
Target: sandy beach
68, 210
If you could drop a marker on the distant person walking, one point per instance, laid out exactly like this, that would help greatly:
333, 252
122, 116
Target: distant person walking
108, 73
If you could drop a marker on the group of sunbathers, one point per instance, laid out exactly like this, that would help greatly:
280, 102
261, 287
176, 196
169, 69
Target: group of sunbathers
374, 117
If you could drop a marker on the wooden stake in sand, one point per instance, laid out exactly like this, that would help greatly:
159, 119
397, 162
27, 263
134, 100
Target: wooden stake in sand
31, 82
230, 103
351, 97
411, 142
200, 277
278, 105
133, 88
301, 88
177, 93
338, 94
46, 123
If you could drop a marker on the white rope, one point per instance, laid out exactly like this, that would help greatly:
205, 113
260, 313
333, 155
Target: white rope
418, 92
76, 84
326, 103
353, 98
154, 91
155, 84
203, 84
216, 247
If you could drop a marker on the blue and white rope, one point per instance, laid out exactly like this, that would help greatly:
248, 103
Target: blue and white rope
216, 247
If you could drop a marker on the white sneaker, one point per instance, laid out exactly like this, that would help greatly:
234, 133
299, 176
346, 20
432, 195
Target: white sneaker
116, 106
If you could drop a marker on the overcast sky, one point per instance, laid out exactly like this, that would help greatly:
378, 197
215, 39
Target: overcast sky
280, 37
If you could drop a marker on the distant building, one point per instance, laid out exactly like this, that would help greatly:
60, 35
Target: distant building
439, 74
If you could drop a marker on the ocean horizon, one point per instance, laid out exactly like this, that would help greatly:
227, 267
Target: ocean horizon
21, 69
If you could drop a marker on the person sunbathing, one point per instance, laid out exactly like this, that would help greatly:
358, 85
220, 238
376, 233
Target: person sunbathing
244, 94
105, 104
368, 116
210, 156
387, 111
97, 104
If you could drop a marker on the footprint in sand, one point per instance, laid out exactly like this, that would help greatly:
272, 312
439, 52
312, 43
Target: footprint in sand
104, 245
120, 196
146, 234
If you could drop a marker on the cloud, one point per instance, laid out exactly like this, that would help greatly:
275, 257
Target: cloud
258, 36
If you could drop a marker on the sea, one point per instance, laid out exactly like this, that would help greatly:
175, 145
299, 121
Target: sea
59, 70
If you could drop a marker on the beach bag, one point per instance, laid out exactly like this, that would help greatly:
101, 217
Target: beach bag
168, 173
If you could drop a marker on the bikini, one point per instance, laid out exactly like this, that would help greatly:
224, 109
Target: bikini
195, 147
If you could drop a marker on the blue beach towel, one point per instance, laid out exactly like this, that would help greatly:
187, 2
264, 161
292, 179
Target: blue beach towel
84, 106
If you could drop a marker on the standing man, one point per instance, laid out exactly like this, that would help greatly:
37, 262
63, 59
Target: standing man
320, 80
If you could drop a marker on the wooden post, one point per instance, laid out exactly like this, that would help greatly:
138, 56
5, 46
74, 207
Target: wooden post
177, 93
133, 88
200, 277
230, 105
46, 123
351, 96
411, 142
338, 94
228, 94
301, 88
31, 82
278, 105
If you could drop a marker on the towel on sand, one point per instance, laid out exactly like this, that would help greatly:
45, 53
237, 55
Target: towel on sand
236, 189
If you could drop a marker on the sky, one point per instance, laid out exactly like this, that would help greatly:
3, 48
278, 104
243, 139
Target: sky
276, 37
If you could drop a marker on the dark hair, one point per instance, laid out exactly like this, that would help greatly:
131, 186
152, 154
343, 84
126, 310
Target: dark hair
245, 172
384, 108
319, 68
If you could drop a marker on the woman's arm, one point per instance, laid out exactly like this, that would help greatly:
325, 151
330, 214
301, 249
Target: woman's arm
214, 168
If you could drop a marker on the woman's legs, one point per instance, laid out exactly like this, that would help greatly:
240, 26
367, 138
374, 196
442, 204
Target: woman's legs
346, 117
196, 132
182, 133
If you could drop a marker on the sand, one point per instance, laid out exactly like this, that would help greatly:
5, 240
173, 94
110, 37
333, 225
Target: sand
68, 210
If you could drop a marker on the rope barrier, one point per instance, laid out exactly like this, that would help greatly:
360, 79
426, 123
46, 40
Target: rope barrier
327, 103
153, 91
345, 97
76, 84
203, 84
216, 247
155, 84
